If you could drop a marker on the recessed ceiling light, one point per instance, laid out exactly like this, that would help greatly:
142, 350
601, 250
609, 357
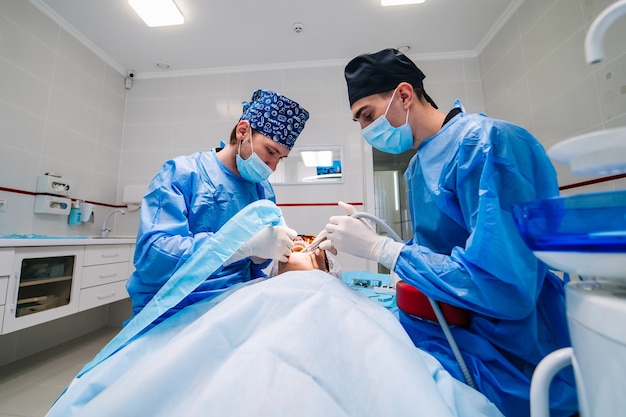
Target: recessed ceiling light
158, 12
399, 2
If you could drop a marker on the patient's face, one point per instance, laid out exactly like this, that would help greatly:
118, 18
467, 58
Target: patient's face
301, 261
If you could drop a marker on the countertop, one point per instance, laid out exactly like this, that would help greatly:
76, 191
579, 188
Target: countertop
41, 240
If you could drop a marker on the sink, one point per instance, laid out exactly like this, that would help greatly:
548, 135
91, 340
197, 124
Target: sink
32, 236
111, 237
36, 236
32, 240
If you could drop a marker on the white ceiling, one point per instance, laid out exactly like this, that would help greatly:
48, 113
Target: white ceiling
221, 35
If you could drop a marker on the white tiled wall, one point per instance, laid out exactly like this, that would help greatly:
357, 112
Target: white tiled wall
61, 111
534, 73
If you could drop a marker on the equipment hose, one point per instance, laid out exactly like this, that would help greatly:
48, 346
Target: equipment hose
442, 320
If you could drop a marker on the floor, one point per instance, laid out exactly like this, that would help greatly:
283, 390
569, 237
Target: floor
28, 387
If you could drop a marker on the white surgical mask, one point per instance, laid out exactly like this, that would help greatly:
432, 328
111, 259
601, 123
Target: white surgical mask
387, 138
253, 169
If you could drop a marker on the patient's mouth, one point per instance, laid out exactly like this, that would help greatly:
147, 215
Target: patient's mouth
298, 248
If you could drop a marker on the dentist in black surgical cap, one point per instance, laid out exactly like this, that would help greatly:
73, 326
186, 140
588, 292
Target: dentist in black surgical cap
467, 173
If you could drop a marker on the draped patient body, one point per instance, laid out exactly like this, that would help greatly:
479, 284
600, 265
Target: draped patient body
300, 344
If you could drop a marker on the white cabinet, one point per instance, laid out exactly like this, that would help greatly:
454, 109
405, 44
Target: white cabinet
102, 294
3, 293
44, 285
106, 254
6, 263
105, 274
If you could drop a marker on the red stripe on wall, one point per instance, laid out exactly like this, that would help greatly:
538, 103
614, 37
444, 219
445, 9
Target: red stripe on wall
313, 204
593, 181
16, 191
563, 187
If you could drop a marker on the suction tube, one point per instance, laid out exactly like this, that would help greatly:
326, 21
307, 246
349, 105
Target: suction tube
442, 320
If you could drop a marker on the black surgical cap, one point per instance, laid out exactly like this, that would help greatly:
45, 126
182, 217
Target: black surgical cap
382, 71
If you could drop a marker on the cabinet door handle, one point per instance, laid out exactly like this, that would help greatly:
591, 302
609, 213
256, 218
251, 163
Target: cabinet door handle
13, 306
105, 276
110, 255
102, 297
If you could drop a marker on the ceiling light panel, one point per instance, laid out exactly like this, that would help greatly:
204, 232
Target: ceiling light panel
158, 12
399, 2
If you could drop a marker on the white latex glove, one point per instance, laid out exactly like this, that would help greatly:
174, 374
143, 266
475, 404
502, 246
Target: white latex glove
272, 242
347, 234
358, 238
327, 245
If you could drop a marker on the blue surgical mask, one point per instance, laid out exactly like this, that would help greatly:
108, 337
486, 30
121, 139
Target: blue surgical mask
384, 137
253, 169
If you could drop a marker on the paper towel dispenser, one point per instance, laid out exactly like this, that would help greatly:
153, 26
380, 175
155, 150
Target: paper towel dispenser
53, 184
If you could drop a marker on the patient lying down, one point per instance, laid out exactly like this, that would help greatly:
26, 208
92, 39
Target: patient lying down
301, 344
300, 260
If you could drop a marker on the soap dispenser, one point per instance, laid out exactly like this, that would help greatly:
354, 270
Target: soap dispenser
75, 213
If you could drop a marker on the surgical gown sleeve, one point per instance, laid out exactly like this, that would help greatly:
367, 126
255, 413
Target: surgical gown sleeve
165, 230
466, 249
187, 201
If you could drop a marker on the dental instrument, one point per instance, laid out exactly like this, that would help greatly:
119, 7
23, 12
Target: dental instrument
321, 236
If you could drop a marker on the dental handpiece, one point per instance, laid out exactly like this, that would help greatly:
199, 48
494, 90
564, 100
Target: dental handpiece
321, 236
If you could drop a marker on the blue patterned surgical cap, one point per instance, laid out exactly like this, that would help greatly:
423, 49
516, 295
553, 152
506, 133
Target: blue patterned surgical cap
277, 117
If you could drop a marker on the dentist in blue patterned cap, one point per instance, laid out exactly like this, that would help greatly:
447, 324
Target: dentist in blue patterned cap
193, 196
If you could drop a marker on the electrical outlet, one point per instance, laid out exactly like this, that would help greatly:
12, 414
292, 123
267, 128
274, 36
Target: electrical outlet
3, 204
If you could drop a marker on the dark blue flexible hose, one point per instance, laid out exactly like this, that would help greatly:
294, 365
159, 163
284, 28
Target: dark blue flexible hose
442, 320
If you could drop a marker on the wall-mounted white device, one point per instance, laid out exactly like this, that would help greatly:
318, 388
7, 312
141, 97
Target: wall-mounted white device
128, 81
53, 184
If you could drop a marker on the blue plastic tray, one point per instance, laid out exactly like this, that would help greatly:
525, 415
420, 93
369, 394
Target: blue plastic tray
581, 223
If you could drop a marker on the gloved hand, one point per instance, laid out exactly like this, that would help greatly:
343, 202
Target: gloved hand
358, 238
327, 245
272, 242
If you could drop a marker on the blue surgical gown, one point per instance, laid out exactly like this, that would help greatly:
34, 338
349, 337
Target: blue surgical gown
190, 198
466, 251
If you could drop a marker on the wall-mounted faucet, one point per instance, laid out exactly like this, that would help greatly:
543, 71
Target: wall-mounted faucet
594, 49
105, 229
